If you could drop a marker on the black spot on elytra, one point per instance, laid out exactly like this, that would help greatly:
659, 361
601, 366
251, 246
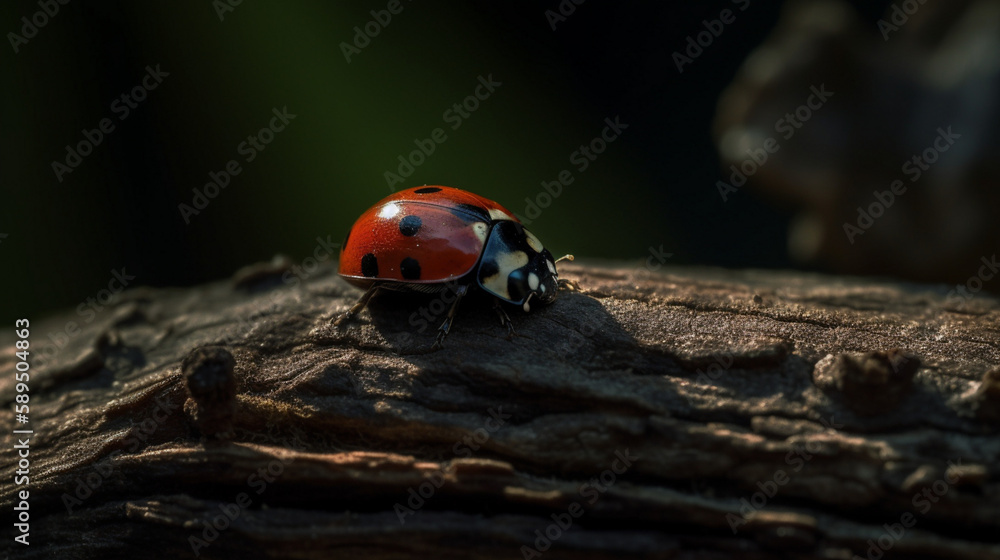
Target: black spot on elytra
427, 190
410, 225
410, 268
369, 265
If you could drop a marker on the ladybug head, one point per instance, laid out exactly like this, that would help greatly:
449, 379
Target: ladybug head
550, 281
541, 281
516, 267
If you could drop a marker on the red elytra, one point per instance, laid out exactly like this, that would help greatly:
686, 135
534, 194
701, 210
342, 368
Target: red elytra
447, 247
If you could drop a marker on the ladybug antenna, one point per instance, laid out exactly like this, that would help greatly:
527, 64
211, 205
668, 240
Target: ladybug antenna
563, 283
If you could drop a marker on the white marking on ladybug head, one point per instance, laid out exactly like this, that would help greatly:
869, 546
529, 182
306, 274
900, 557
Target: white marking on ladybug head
533, 241
497, 214
481, 230
551, 265
532, 280
543, 288
389, 211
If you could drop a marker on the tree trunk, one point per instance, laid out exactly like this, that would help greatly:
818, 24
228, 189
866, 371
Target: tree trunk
687, 413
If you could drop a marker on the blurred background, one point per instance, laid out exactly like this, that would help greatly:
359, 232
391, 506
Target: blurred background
215, 72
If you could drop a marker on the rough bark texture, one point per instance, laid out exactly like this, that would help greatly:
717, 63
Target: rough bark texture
749, 414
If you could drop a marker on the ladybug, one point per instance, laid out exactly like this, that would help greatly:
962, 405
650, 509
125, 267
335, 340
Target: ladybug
432, 239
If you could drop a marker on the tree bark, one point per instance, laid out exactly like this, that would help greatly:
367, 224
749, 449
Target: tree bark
673, 414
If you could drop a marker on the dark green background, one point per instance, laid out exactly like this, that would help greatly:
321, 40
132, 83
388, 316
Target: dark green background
119, 208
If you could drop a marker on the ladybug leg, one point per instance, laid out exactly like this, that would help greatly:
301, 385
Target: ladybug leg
446, 325
504, 319
357, 307
568, 285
